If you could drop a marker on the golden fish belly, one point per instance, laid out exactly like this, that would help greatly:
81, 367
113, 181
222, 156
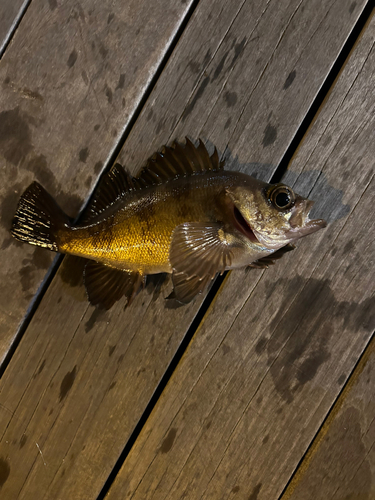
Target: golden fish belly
138, 236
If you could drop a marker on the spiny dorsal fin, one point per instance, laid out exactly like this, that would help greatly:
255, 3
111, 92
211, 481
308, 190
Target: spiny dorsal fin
113, 186
179, 160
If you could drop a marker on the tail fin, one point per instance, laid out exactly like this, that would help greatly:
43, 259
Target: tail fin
38, 218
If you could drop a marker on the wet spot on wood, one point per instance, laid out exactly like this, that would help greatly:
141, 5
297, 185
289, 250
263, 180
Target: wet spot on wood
7, 80
219, 67
52, 4
4, 471
341, 379
97, 127
111, 350
121, 81
289, 79
83, 155
307, 349
167, 444
123, 102
254, 494
67, 383
196, 97
72, 58
266, 439
352, 7
194, 66
235, 489
227, 123
109, 95
15, 135
230, 98
23, 441
270, 134
110, 17
98, 167
238, 48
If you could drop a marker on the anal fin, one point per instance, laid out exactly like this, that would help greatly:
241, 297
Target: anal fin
106, 285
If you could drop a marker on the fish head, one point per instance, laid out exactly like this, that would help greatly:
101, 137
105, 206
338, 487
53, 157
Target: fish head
271, 215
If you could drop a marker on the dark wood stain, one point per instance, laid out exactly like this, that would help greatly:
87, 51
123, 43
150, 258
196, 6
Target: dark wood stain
238, 48
4, 471
196, 97
235, 489
111, 350
97, 315
121, 82
270, 134
227, 123
254, 494
72, 58
290, 79
67, 383
167, 444
220, 66
52, 4
23, 441
352, 7
83, 154
230, 98
98, 167
109, 94
110, 17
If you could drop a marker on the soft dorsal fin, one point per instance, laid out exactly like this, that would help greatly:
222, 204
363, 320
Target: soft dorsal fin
179, 160
113, 186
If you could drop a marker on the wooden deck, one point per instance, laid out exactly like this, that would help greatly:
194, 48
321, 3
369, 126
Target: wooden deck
264, 388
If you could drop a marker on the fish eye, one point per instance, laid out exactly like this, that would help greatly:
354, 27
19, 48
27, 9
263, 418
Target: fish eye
282, 197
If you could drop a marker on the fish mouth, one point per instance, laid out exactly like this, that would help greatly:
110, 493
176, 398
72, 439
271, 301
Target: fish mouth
242, 225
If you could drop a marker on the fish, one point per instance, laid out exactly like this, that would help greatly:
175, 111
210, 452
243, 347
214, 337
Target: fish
183, 214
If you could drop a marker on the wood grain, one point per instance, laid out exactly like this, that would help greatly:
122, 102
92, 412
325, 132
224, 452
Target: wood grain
70, 82
276, 347
80, 379
341, 462
10, 13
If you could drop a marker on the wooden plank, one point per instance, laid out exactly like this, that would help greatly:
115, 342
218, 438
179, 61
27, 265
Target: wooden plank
341, 462
10, 13
79, 382
70, 82
274, 350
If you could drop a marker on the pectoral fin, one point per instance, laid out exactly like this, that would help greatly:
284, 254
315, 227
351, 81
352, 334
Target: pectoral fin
198, 251
106, 285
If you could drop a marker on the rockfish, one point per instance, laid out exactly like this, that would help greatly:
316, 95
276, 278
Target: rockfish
183, 214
